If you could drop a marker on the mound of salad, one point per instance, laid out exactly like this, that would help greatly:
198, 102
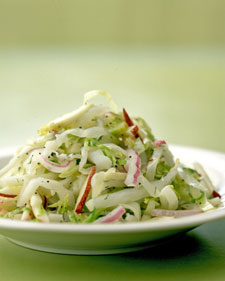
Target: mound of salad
100, 165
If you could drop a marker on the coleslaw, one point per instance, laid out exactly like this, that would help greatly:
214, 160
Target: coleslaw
99, 165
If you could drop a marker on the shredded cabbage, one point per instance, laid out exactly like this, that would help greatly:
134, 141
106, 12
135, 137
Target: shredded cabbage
104, 163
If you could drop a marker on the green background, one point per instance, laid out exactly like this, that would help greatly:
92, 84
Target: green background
111, 22
163, 60
180, 92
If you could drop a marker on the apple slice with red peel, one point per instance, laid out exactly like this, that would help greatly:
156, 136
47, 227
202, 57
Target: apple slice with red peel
134, 131
130, 123
84, 192
216, 194
127, 118
8, 195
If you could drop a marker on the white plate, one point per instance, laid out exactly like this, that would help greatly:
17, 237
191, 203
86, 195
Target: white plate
111, 239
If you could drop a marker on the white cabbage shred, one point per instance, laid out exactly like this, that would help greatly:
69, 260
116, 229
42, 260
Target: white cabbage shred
100, 165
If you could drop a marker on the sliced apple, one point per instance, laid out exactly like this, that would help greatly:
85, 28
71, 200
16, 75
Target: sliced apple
8, 195
127, 118
130, 123
134, 131
215, 194
84, 192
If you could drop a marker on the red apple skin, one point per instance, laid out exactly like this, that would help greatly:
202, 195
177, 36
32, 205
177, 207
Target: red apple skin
216, 194
134, 131
8, 195
127, 118
84, 196
130, 123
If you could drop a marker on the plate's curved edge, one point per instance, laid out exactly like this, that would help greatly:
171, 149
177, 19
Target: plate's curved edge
84, 252
190, 221
106, 251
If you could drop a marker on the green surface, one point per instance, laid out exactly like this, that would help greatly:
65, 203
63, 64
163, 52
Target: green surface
180, 92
